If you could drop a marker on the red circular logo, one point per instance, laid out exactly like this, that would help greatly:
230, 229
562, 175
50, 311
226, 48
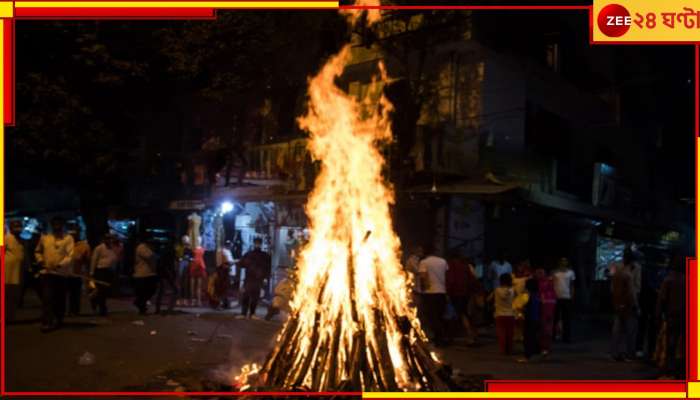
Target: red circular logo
614, 20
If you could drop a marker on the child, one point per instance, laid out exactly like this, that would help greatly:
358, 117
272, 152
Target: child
531, 325
505, 317
283, 295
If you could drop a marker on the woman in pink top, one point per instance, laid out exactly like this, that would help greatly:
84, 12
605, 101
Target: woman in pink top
548, 300
198, 274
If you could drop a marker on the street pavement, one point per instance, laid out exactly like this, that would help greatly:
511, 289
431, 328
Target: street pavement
202, 349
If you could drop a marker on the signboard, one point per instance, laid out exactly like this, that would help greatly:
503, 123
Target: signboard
650, 21
187, 205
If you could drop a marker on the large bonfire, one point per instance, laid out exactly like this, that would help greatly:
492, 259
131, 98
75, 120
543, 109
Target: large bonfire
352, 325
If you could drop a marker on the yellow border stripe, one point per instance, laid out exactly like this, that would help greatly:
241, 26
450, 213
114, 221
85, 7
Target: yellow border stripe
693, 390
527, 395
6, 9
177, 4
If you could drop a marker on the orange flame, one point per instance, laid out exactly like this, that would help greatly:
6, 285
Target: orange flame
352, 289
373, 14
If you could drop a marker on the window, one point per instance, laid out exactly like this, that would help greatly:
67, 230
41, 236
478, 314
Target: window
552, 56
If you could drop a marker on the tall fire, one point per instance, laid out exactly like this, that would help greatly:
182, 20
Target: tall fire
352, 325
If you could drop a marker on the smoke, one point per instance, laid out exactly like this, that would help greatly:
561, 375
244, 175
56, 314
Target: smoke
373, 14
239, 361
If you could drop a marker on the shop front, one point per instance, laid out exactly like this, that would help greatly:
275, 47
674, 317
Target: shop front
239, 217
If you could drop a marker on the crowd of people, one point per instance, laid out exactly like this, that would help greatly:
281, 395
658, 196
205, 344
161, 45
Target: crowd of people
534, 305
61, 268
527, 305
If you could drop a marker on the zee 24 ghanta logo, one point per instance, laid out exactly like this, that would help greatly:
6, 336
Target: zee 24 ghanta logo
614, 20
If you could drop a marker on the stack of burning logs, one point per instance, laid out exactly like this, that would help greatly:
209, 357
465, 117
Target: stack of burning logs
368, 367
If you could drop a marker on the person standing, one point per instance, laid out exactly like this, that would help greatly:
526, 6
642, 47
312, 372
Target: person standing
624, 302
457, 280
81, 266
432, 270
531, 320
670, 308
257, 265
30, 268
145, 276
55, 254
102, 267
412, 264
183, 251
563, 278
224, 263
504, 313
548, 303
498, 267
14, 258
167, 275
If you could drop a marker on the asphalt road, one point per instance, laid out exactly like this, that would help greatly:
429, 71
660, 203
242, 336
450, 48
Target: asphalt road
199, 349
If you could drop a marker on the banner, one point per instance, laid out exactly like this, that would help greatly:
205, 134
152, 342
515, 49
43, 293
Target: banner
650, 21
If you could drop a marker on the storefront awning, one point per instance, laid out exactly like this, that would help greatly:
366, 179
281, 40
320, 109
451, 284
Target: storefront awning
465, 187
257, 193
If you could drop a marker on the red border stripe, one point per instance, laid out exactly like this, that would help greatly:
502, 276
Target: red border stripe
160, 13
697, 89
586, 386
9, 72
692, 340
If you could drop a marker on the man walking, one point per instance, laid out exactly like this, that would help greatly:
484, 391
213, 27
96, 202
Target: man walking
55, 255
224, 263
563, 279
498, 267
81, 266
103, 263
412, 264
145, 277
257, 265
432, 270
14, 257
167, 275
625, 307
671, 307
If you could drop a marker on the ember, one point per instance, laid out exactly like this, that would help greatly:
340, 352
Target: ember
352, 325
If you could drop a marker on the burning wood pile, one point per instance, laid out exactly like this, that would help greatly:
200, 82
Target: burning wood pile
352, 325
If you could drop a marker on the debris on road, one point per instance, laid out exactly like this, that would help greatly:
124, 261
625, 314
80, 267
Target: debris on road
138, 322
86, 359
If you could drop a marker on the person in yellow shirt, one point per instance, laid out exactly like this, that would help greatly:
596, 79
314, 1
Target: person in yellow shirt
81, 266
14, 255
55, 255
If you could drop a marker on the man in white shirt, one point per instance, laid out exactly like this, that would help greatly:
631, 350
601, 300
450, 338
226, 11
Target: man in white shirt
563, 278
498, 267
224, 263
14, 256
145, 276
55, 255
432, 270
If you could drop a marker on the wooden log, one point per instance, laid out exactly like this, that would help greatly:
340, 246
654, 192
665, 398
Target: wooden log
386, 366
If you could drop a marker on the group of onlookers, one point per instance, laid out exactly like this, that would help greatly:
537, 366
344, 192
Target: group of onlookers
648, 315
535, 306
64, 267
